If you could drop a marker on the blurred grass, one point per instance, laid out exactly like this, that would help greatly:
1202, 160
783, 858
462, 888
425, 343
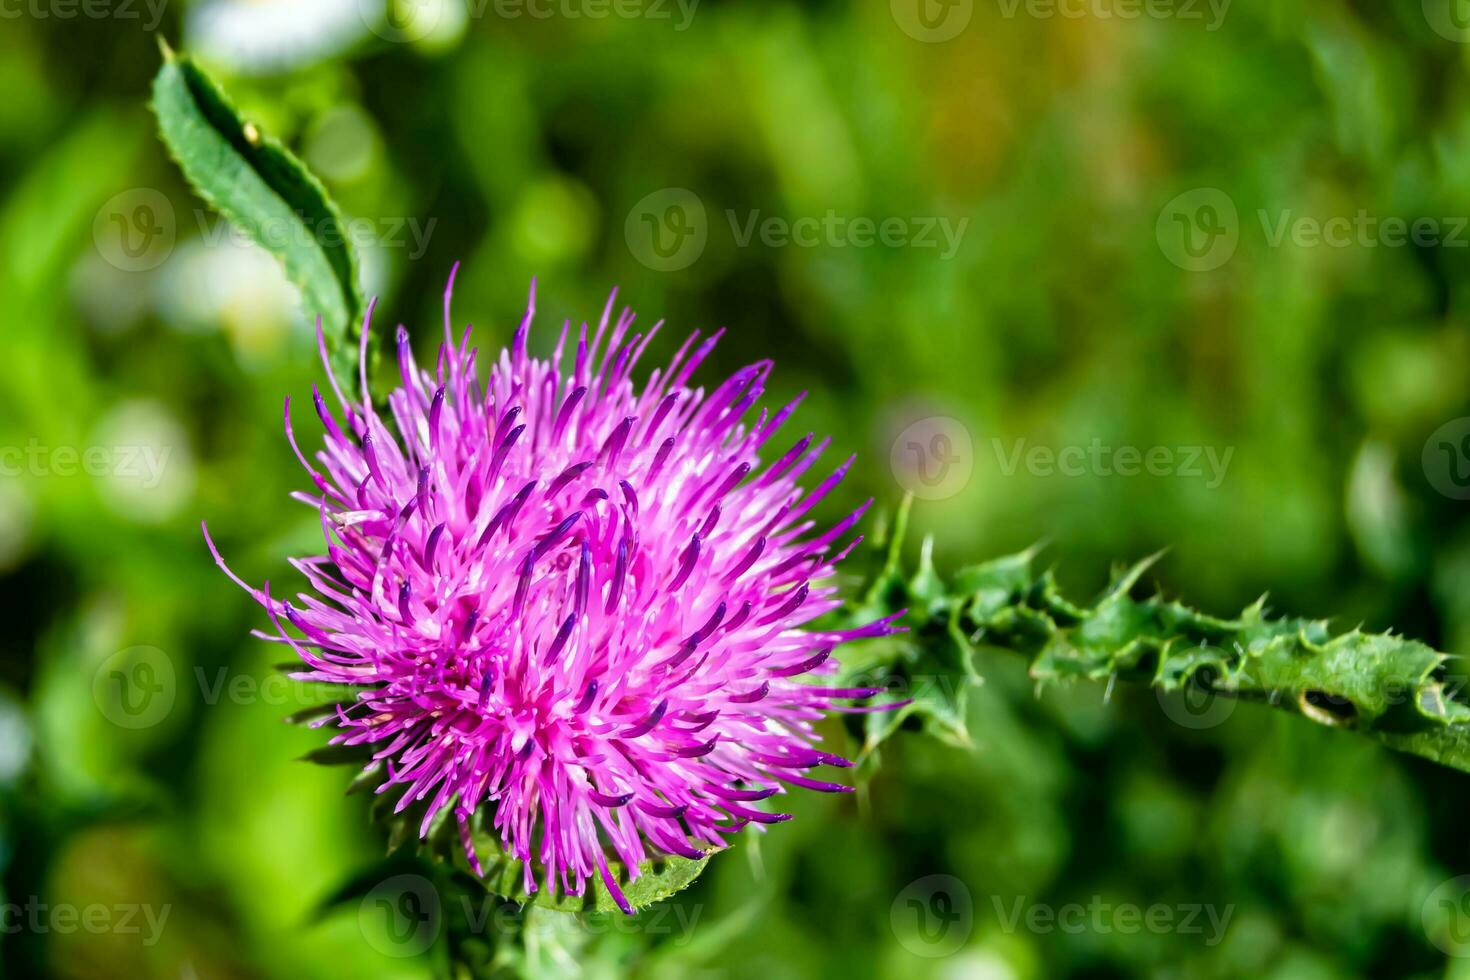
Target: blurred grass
519, 146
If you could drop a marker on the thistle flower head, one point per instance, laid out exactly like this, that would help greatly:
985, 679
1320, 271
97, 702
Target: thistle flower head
570, 606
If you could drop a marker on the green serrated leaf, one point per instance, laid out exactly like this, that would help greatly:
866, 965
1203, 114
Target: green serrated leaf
260, 186
1390, 688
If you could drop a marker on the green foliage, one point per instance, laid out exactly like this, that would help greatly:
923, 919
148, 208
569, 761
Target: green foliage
1393, 689
255, 182
1058, 321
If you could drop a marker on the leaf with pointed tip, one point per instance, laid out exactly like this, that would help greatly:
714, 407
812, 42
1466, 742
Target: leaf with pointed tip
261, 187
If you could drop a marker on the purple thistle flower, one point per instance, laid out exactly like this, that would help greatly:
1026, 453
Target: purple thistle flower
572, 602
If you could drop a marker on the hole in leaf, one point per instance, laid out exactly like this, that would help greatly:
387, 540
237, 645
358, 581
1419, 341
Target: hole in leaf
1327, 709
1453, 687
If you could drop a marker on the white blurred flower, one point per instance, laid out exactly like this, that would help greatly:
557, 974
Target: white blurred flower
267, 36
978, 964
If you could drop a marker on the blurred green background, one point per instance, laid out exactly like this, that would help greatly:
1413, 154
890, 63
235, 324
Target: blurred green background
552, 140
